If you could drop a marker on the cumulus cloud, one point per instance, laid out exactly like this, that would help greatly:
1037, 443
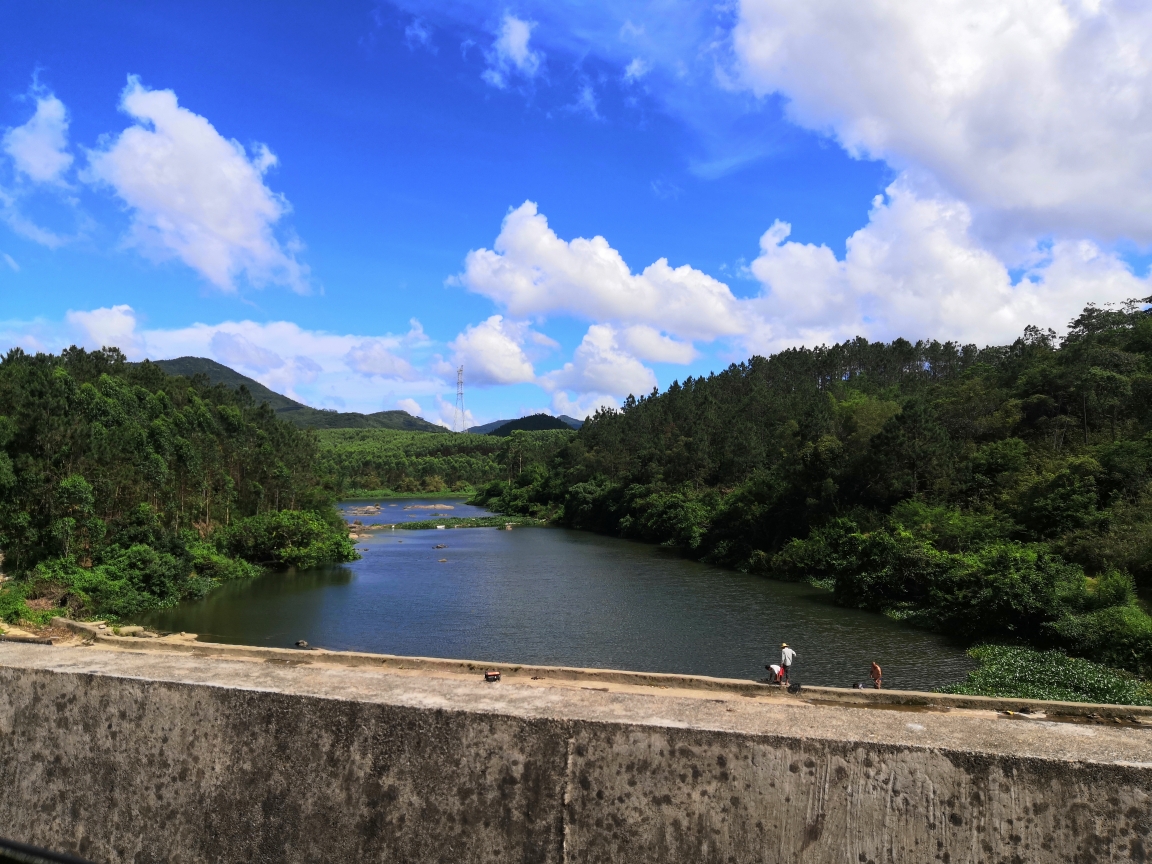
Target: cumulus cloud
582, 406
196, 195
510, 53
648, 343
411, 406
312, 366
601, 371
39, 148
531, 271
1036, 113
918, 269
112, 327
378, 357
38, 153
492, 352
915, 270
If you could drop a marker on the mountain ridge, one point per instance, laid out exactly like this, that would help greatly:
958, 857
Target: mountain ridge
288, 409
488, 428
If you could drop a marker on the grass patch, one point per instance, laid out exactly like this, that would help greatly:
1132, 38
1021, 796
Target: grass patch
473, 522
1023, 673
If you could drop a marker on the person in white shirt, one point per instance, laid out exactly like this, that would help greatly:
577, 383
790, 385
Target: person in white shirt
787, 655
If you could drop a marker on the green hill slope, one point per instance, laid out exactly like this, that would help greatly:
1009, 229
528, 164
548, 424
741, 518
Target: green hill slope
291, 410
531, 423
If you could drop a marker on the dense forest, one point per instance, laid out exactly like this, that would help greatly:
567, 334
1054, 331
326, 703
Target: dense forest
380, 462
996, 494
123, 488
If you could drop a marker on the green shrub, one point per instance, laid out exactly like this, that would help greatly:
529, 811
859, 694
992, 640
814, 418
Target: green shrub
1120, 636
671, 518
1024, 673
12, 606
1005, 589
287, 538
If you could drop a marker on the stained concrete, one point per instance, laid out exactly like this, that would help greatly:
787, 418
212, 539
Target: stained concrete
161, 755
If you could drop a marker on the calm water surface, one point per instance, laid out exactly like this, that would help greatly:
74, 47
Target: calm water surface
560, 597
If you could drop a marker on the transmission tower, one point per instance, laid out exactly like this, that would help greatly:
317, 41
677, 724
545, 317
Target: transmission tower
458, 421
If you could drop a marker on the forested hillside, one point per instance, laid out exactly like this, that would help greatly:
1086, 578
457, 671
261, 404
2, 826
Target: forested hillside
123, 488
1000, 494
361, 461
297, 413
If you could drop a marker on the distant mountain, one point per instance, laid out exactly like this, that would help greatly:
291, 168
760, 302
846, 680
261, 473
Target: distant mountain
489, 428
291, 410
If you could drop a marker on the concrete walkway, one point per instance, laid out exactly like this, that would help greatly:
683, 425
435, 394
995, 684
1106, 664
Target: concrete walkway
131, 749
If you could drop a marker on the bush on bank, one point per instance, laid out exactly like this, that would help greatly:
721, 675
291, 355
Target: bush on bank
1024, 673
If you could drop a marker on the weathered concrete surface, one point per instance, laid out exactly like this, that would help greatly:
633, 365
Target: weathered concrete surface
163, 756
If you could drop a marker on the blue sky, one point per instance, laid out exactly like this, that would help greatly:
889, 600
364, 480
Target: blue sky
347, 201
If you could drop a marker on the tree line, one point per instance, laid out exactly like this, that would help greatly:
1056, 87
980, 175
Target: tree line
999, 493
123, 488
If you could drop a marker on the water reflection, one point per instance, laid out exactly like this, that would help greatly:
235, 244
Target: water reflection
559, 597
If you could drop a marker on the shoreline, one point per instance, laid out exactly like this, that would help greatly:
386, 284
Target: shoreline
356, 495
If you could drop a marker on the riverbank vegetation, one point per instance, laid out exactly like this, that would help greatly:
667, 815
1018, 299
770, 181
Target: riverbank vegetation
123, 488
472, 522
1024, 673
995, 494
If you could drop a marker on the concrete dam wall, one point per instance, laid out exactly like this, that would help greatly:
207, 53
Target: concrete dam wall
132, 751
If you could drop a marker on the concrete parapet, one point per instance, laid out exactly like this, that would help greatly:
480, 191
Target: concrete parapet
122, 752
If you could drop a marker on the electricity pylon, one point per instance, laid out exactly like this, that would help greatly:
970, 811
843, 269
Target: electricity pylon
458, 421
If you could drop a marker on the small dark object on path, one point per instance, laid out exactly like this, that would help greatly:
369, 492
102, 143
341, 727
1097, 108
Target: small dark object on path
301, 644
492, 675
440, 546
794, 687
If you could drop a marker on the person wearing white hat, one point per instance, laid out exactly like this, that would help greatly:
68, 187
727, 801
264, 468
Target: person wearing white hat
787, 655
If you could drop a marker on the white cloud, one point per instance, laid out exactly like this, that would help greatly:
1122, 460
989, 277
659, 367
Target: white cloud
600, 367
196, 195
311, 366
531, 271
11, 262
378, 357
635, 70
113, 327
1037, 113
233, 349
492, 352
446, 412
39, 148
586, 103
583, 406
10, 212
510, 52
411, 406
647, 343
419, 34
916, 271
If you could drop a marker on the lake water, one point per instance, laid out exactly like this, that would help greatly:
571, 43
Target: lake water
559, 597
